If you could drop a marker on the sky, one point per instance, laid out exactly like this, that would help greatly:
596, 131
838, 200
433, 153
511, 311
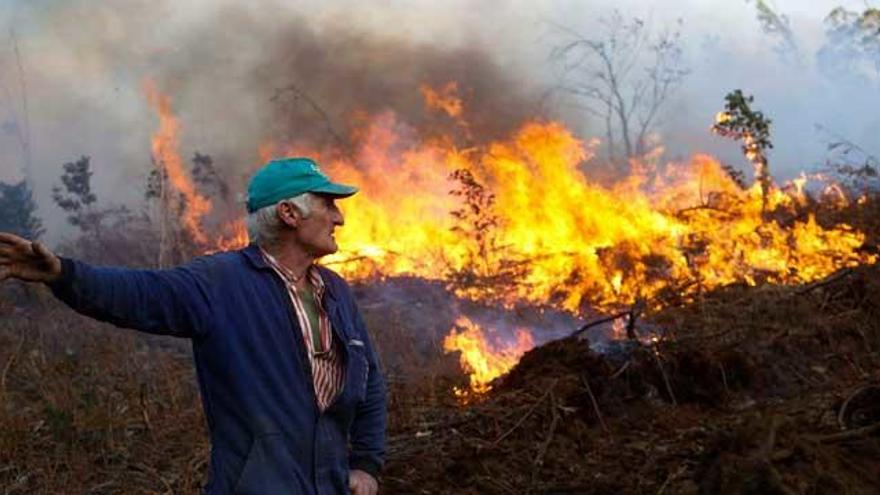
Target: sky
81, 66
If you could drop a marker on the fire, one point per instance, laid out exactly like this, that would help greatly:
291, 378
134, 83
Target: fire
520, 220
533, 227
165, 145
547, 234
682, 228
618, 329
445, 99
483, 361
236, 238
165, 148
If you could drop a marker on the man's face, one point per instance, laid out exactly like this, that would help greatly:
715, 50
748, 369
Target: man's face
315, 232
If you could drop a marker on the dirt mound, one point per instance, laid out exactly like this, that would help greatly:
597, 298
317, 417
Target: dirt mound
749, 390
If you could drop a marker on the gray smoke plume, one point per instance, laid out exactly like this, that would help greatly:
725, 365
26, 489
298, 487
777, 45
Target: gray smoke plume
238, 76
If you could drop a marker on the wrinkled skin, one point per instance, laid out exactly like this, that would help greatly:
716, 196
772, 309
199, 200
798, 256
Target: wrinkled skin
313, 234
306, 238
25, 260
361, 483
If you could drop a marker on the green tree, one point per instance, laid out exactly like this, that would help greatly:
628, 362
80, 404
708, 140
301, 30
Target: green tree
19, 211
109, 234
205, 175
75, 195
739, 122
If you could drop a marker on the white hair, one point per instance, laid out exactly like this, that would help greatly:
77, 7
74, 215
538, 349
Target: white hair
264, 226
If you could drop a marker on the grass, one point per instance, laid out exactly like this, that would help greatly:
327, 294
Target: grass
88, 408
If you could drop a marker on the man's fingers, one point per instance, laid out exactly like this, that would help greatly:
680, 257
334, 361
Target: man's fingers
24, 250
21, 252
12, 240
41, 251
12, 245
15, 257
362, 483
354, 484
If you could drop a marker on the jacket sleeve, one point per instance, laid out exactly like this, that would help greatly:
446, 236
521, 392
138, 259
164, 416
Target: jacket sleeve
368, 429
175, 302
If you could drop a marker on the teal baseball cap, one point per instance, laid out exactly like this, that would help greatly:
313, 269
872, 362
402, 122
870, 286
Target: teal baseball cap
288, 177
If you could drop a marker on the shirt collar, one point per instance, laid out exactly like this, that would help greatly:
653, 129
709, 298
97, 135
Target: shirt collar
313, 275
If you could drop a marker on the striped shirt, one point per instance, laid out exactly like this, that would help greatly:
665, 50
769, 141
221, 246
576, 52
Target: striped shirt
328, 370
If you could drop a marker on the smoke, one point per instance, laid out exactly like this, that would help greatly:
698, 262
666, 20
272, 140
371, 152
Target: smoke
810, 105
240, 75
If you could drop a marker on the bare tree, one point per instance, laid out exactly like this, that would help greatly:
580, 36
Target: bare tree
778, 27
19, 124
850, 164
852, 46
624, 76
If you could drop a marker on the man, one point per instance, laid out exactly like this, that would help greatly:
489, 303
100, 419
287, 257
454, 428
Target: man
290, 384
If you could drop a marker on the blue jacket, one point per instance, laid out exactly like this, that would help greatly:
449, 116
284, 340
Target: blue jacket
267, 435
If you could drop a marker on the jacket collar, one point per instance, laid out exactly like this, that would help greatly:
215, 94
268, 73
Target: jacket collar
329, 285
255, 257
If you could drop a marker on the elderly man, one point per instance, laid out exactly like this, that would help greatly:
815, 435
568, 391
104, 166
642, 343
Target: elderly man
290, 384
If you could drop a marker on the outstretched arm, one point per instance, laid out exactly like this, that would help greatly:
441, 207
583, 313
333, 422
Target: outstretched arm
174, 301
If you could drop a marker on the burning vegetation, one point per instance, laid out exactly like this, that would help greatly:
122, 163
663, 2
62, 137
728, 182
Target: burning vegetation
547, 327
519, 223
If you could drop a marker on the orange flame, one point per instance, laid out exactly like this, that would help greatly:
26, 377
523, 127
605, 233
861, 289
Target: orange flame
445, 99
165, 146
685, 228
483, 361
532, 226
236, 237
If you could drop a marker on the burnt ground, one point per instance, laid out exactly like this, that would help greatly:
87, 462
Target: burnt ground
749, 390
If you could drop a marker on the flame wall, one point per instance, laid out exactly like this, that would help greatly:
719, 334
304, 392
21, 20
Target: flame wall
682, 227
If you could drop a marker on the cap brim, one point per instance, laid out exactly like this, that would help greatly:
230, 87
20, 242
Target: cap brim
336, 190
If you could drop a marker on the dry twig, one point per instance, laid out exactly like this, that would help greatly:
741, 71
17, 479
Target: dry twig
665, 378
848, 435
595, 404
600, 321
526, 415
841, 415
824, 282
9, 364
542, 452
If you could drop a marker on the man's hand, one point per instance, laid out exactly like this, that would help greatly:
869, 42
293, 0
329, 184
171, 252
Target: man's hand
361, 483
26, 260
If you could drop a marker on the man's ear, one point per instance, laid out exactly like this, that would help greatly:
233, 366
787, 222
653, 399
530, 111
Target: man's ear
289, 214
